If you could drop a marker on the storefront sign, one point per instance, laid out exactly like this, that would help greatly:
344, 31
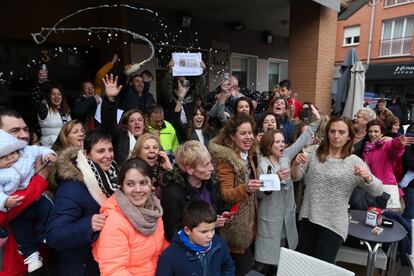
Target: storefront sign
392, 71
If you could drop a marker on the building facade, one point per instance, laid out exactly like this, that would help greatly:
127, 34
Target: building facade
381, 31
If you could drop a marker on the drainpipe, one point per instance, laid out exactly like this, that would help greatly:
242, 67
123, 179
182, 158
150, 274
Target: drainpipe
372, 4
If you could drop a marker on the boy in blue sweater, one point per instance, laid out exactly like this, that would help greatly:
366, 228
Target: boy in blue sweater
195, 250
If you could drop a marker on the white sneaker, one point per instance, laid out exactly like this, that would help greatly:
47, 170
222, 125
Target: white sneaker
34, 261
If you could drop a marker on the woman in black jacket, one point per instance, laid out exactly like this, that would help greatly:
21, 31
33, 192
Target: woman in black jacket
193, 180
130, 127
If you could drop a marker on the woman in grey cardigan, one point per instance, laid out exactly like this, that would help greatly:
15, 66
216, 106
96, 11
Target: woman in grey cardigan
276, 215
331, 173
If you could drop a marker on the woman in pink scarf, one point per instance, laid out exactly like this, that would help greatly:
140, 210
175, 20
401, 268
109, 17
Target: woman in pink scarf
381, 155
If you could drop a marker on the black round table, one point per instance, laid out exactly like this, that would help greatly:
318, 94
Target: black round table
362, 232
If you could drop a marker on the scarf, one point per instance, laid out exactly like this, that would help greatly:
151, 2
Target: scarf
370, 146
132, 141
203, 193
143, 219
185, 239
100, 184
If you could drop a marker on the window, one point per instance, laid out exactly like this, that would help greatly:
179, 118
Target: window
244, 67
273, 75
388, 3
397, 36
239, 69
351, 36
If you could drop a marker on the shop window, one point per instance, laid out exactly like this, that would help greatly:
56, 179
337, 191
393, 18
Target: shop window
351, 36
397, 37
388, 3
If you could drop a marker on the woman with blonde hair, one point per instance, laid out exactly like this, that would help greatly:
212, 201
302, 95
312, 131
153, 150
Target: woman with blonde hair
148, 148
71, 134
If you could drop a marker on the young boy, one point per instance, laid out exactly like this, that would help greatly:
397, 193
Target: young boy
195, 250
17, 167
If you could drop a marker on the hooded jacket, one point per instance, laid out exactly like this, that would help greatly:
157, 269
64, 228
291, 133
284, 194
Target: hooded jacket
177, 259
233, 174
70, 229
121, 249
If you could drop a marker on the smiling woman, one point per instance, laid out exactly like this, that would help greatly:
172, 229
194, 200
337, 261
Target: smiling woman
148, 148
133, 235
86, 179
232, 154
53, 114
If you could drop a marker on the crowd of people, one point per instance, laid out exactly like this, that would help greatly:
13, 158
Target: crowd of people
121, 184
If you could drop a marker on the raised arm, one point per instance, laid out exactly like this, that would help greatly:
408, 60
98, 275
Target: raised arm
36, 98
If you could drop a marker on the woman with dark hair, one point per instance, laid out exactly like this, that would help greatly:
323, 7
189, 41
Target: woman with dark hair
232, 153
331, 173
131, 126
381, 157
53, 114
198, 127
280, 107
86, 178
268, 122
392, 125
277, 212
243, 105
132, 238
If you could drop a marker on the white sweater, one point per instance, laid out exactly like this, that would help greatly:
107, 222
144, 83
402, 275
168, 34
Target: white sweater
328, 188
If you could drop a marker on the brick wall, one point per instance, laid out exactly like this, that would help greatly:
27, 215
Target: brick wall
312, 52
362, 17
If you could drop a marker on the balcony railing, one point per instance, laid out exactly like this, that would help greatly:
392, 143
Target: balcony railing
396, 46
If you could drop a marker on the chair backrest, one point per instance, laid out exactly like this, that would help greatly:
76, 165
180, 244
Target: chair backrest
294, 263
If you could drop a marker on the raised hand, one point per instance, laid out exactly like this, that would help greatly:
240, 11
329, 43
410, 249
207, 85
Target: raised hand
300, 159
315, 112
42, 75
111, 88
181, 91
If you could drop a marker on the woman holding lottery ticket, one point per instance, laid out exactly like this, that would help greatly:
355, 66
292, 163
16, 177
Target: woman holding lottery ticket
276, 215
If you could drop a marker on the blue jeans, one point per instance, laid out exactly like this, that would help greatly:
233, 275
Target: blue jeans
29, 228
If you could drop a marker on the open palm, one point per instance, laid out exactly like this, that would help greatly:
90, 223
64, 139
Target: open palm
111, 86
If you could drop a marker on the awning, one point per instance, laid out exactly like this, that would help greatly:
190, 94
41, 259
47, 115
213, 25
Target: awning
391, 71
332, 4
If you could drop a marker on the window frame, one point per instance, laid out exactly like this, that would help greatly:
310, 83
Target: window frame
353, 43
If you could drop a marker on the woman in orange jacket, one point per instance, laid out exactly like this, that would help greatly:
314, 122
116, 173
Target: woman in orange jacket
133, 235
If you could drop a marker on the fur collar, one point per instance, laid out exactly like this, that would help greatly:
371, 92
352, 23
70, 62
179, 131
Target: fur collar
66, 165
224, 154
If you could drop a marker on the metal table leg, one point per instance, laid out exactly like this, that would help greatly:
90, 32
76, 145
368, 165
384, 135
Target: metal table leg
392, 258
372, 254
